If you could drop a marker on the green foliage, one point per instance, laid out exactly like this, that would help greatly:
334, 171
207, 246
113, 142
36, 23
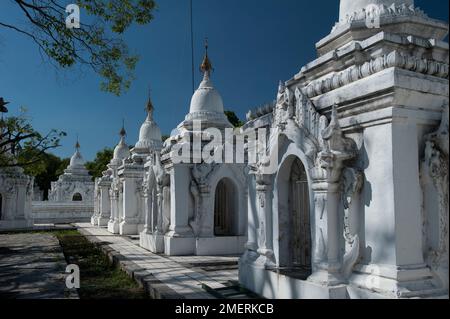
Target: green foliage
234, 119
21, 145
47, 170
98, 165
100, 279
97, 44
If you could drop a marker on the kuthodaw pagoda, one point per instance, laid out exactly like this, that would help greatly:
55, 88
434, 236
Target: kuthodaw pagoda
349, 196
201, 207
103, 215
119, 199
75, 185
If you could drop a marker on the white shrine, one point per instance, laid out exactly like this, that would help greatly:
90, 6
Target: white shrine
194, 207
102, 202
110, 180
76, 184
358, 204
16, 192
127, 172
347, 198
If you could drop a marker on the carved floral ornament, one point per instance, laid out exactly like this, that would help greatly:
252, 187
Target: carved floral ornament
324, 144
436, 164
298, 108
395, 10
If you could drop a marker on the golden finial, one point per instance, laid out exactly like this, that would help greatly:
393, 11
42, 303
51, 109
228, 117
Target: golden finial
206, 65
77, 145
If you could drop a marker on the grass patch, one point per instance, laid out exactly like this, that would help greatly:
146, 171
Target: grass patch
99, 278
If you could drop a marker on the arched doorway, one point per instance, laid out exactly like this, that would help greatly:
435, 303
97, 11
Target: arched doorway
299, 212
294, 245
225, 209
77, 197
1, 206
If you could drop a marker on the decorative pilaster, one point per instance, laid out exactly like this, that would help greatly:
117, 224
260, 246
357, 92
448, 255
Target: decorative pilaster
152, 237
162, 180
200, 190
104, 185
148, 191
113, 224
329, 245
435, 168
264, 201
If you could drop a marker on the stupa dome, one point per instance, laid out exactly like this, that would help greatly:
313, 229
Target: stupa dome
76, 160
121, 151
206, 98
150, 136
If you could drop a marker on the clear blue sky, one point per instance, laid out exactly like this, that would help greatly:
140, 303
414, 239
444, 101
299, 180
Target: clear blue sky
253, 45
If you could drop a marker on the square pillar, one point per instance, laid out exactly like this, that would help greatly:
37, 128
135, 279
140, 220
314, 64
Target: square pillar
392, 253
180, 238
129, 224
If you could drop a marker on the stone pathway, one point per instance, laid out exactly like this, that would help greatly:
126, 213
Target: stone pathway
165, 277
32, 266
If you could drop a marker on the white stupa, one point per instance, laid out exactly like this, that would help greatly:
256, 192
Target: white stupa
150, 138
121, 151
206, 103
75, 184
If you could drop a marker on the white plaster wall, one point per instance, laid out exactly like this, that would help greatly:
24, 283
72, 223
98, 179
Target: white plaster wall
56, 213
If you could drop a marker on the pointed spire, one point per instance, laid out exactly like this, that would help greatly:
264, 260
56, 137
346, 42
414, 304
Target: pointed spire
149, 107
123, 132
77, 145
206, 66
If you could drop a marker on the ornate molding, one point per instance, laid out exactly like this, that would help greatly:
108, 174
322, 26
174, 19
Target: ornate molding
358, 72
260, 111
383, 11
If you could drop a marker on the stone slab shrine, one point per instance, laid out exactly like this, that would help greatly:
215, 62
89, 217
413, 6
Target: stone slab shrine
358, 205
71, 197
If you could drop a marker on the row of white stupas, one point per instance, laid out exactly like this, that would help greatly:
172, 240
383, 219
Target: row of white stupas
357, 205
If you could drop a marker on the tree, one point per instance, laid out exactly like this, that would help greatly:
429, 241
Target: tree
97, 44
98, 165
234, 119
21, 145
46, 171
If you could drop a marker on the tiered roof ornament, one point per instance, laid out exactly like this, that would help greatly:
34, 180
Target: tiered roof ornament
150, 137
206, 103
121, 151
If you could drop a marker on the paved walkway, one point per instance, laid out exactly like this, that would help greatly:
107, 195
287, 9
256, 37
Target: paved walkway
162, 276
32, 266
